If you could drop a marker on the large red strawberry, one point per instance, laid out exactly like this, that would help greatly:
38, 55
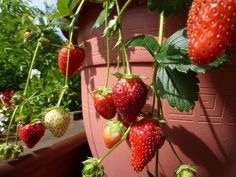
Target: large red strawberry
129, 96
146, 138
210, 25
103, 103
31, 133
77, 56
113, 133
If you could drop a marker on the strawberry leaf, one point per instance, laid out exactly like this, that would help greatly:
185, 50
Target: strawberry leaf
168, 6
64, 8
146, 41
102, 16
180, 89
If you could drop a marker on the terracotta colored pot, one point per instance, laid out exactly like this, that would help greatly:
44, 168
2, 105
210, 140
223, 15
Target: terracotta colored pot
204, 137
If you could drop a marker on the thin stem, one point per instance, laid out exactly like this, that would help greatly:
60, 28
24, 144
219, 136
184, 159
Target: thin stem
76, 14
31, 67
156, 165
116, 145
124, 8
30, 72
71, 31
121, 35
164, 127
107, 46
154, 87
10, 123
161, 28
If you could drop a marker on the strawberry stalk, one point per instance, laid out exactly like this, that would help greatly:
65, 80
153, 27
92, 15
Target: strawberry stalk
164, 127
71, 31
107, 46
116, 145
121, 36
10, 123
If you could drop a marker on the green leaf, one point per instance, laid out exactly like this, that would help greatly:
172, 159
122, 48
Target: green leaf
179, 39
64, 8
102, 16
152, 4
146, 41
224, 58
180, 89
168, 6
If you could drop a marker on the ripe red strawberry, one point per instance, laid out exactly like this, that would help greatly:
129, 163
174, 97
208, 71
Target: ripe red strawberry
113, 132
104, 104
31, 133
77, 56
146, 138
211, 24
129, 96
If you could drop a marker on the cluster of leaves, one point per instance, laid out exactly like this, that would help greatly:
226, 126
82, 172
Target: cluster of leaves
176, 77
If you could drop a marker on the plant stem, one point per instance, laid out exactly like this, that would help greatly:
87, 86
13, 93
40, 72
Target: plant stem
31, 67
159, 103
161, 29
30, 71
71, 31
107, 46
156, 165
10, 123
164, 127
121, 35
124, 8
116, 145
154, 83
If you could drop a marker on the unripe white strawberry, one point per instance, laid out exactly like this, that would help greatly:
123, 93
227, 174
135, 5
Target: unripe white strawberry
57, 121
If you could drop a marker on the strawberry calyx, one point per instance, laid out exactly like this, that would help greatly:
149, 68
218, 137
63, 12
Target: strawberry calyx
116, 126
17, 150
129, 76
185, 170
58, 108
6, 151
92, 167
102, 90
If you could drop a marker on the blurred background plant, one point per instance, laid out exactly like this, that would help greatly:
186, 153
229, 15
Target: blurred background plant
21, 26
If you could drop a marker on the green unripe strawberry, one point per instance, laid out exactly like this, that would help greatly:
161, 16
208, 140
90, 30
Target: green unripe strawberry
57, 121
185, 170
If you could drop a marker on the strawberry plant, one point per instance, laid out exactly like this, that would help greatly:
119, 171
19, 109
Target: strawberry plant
201, 46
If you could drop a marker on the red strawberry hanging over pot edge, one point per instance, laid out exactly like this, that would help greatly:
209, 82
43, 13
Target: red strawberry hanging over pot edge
77, 56
129, 95
211, 26
103, 102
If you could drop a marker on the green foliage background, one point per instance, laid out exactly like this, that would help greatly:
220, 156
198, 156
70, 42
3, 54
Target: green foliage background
16, 17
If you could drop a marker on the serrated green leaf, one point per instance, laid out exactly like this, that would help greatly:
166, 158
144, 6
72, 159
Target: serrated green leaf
102, 16
179, 39
180, 89
146, 41
224, 58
